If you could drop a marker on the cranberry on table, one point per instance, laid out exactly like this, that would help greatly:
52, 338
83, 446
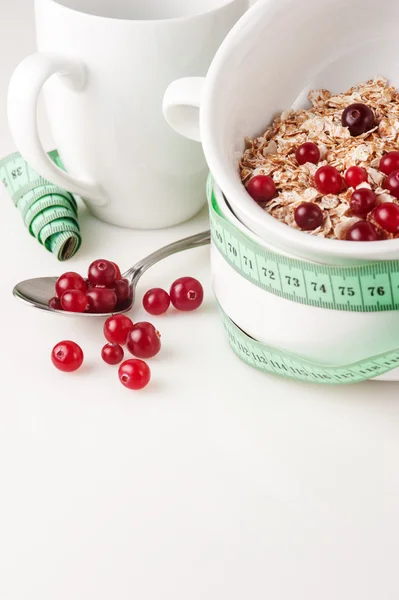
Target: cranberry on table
392, 183
389, 162
362, 202
134, 374
101, 300
363, 231
55, 303
156, 301
308, 216
186, 294
144, 341
112, 354
386, 215
102, 272
148, 327
261, 188
75, 301
307, 152
67, 356
328, 180
354, 176
117, 328
70, 281
358, 118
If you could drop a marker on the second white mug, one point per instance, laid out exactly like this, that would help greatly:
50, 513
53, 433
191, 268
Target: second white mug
106, 65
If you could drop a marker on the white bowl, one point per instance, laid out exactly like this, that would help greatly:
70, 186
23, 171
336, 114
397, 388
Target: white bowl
328, 337
275, 54
270, 60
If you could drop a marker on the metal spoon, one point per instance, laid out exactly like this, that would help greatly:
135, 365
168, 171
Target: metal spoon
37, 292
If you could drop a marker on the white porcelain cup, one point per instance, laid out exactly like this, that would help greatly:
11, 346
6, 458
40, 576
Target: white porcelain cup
270, 60
106, 64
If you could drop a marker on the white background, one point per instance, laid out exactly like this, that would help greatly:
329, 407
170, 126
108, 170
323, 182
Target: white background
216, 482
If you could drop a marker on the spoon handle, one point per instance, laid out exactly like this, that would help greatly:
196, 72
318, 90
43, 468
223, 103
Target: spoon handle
195, 241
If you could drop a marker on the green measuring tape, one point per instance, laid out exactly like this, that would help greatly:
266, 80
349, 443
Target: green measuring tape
367, 288
284, 364
49, 212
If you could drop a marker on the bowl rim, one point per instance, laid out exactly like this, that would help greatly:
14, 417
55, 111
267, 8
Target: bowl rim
254, 217
229, 215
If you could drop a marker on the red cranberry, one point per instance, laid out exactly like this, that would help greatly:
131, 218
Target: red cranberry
156, 301
121, 288
362, 231
118, 271
358, 118
354, 176
112, 354
69, 281
328, 180
125, 306
261, 188
386, 215
102, 272
362, 202
392, 183
389, 162
67, 356
55, 304
144, 341
307, 152
149, 327
186, 294
74, 301
308, 216
101, 300
134, 374
116, 329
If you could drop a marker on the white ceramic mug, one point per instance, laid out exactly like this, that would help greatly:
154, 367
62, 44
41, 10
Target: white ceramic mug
106, 64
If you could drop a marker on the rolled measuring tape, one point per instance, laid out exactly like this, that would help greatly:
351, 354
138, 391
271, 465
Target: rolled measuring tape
49, 212
364, 288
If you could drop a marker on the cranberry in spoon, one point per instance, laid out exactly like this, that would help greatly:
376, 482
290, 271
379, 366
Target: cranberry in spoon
38, 292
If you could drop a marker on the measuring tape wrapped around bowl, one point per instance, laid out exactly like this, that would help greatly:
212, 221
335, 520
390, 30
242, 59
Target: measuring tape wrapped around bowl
49, 213
367, 288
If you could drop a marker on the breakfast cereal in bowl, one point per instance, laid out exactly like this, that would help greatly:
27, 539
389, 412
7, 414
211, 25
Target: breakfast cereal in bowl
331, 170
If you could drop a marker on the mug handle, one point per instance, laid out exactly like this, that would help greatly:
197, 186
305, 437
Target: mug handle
181, 106
23, 95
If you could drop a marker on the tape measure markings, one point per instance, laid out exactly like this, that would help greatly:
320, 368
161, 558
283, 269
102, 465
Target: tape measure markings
364, 288
49, 212
49, 216
48, 202
59, 226
10, 174
278, 362
27, 200
14, 170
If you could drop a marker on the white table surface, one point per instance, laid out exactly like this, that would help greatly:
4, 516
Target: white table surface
217, 482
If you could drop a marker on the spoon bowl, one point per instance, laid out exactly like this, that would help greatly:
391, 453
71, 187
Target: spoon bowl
37, 292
